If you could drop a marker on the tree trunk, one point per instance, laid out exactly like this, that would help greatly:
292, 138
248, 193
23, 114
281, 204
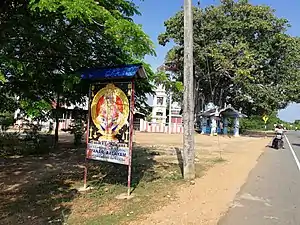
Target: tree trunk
56, 120
188, 96
221, 98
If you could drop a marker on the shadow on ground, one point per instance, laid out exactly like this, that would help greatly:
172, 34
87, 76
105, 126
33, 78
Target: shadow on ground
103, 173
37, 189
180, 159
40, 189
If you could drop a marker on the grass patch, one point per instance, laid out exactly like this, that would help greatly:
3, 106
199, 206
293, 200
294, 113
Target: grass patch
218, 160
155, 184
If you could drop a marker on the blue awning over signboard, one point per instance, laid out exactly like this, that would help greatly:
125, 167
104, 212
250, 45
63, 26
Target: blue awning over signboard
122, 72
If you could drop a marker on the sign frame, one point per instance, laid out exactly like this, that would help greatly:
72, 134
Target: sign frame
115, 75
129, 145
109, 122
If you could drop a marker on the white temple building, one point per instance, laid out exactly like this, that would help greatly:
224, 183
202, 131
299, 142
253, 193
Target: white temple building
176, 117
159, 107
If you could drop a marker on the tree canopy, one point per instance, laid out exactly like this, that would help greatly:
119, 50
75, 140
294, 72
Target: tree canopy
44, 43
114, 16
242, 56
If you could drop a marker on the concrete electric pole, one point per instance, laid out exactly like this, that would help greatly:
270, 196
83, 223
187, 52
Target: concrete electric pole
188, 96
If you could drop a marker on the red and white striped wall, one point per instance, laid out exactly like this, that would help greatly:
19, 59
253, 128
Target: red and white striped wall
160, 128
64, 124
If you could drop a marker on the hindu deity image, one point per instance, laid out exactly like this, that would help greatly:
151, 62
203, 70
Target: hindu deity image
110, 111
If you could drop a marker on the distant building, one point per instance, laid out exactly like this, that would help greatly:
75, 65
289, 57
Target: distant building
159, 108
67, 116
176, 117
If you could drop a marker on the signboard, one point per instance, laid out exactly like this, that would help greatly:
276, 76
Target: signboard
109, 130
110, 117
265, 118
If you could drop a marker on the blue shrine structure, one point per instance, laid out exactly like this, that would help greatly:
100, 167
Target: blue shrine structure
214, 120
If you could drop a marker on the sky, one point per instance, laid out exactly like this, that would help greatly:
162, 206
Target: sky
155, 12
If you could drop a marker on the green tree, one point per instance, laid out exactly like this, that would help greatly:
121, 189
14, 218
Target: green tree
242, 56
170, 84
113, 16
297, 124
45, 43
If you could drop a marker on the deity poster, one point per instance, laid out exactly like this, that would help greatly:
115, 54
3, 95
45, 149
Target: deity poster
109, 137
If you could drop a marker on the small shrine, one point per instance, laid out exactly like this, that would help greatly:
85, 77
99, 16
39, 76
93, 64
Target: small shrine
159, 108
214, 120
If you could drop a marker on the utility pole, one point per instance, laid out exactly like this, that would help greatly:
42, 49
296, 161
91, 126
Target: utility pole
188, 95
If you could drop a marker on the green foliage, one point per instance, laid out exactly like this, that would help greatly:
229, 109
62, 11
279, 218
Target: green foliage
143, 88
2, 78
242, 56
7, 102
170, 84
36, 109
33, 144
78, 132
6, 120
252, 123
297, 123
114, 16
256, 122
8, 143
77, 129
44, 45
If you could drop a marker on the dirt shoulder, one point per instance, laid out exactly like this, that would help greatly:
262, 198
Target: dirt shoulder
209, 198
42, 189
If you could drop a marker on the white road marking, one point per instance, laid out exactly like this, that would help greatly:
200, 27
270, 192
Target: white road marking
236, 204
293, 152
271, 217
247, 196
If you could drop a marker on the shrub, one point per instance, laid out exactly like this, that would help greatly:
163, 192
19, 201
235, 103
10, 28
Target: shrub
257, 123
9, 144
78, 130
6, 120
33, 143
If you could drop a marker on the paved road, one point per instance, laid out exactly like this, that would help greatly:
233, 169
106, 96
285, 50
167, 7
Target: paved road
271, 194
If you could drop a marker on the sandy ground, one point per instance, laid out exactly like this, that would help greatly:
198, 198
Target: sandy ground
33, 188
209, 198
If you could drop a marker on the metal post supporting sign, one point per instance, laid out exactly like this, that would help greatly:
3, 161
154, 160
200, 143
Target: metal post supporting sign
130, 136
87, 137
